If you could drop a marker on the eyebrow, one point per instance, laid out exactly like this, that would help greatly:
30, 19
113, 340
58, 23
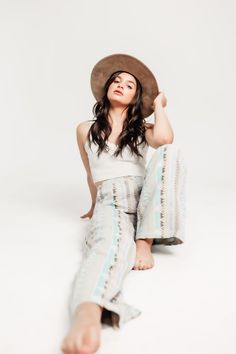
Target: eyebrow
128, 80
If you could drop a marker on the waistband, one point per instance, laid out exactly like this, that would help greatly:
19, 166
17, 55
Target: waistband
135, 179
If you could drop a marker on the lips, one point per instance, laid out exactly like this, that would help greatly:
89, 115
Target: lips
118, 92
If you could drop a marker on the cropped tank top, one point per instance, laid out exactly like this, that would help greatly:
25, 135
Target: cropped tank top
107, 166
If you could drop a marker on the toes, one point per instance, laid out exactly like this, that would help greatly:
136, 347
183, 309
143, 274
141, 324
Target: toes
145, 266
67, 348
86, 350
136, 266
91, 340
142, 264
87, 343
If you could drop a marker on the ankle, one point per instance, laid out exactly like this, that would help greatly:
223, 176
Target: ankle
90, 307
144, 241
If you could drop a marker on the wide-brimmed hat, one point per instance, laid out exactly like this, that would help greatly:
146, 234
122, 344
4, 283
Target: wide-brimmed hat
111, 63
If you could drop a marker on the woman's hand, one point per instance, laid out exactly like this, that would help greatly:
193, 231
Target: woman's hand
89, 214
159, 100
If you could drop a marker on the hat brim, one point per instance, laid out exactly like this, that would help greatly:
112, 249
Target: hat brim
109, 64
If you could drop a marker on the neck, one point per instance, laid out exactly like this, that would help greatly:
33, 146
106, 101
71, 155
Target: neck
117, 115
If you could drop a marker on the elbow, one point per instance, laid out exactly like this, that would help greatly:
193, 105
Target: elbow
169, 140
162, 142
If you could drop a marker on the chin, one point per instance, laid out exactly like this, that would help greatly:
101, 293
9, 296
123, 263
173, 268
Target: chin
116, 99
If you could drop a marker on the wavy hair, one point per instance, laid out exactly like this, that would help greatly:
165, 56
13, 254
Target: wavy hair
133, 130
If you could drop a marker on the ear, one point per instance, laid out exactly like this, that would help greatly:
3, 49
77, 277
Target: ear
148, 125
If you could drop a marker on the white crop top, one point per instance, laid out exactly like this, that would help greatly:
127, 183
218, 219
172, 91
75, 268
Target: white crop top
107, 166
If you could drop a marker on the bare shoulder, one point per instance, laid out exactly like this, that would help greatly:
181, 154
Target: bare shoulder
82, 130
81, 134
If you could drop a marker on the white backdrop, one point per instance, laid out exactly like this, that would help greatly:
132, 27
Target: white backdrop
48, 49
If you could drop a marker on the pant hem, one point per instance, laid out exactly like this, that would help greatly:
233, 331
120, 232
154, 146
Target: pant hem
115, 314
168, 241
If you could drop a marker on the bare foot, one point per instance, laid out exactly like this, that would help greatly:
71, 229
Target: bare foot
144, 258
84, 335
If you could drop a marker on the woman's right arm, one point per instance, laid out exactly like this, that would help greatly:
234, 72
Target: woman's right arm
81, 135
93, 189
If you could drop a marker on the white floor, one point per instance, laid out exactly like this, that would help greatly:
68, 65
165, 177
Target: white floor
187, 300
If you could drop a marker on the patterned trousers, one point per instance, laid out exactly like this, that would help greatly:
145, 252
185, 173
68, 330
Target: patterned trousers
129, 208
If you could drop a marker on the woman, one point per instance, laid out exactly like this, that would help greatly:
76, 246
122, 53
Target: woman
133, 207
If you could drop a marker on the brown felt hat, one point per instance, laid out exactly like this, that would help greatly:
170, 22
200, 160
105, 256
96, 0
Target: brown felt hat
111, 63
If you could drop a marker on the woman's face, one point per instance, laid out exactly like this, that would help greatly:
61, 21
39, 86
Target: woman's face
122, 89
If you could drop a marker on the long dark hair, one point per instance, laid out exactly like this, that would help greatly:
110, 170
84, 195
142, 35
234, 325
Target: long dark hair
133, 127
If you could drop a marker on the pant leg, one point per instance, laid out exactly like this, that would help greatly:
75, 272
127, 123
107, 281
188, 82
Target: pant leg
161, 210
109, 250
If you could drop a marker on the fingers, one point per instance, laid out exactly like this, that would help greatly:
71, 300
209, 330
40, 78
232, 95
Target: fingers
85, 216
88, 215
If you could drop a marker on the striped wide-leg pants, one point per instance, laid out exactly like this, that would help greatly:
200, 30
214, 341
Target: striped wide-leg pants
129, 208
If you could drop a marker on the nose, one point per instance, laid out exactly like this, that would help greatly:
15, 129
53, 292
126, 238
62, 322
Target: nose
120, 85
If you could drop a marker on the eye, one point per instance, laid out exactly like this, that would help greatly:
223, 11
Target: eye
130, 86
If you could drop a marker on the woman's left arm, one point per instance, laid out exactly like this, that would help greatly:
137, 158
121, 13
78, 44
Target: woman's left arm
161, 131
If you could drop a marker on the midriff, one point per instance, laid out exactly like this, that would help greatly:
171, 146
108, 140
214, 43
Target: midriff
99, 182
